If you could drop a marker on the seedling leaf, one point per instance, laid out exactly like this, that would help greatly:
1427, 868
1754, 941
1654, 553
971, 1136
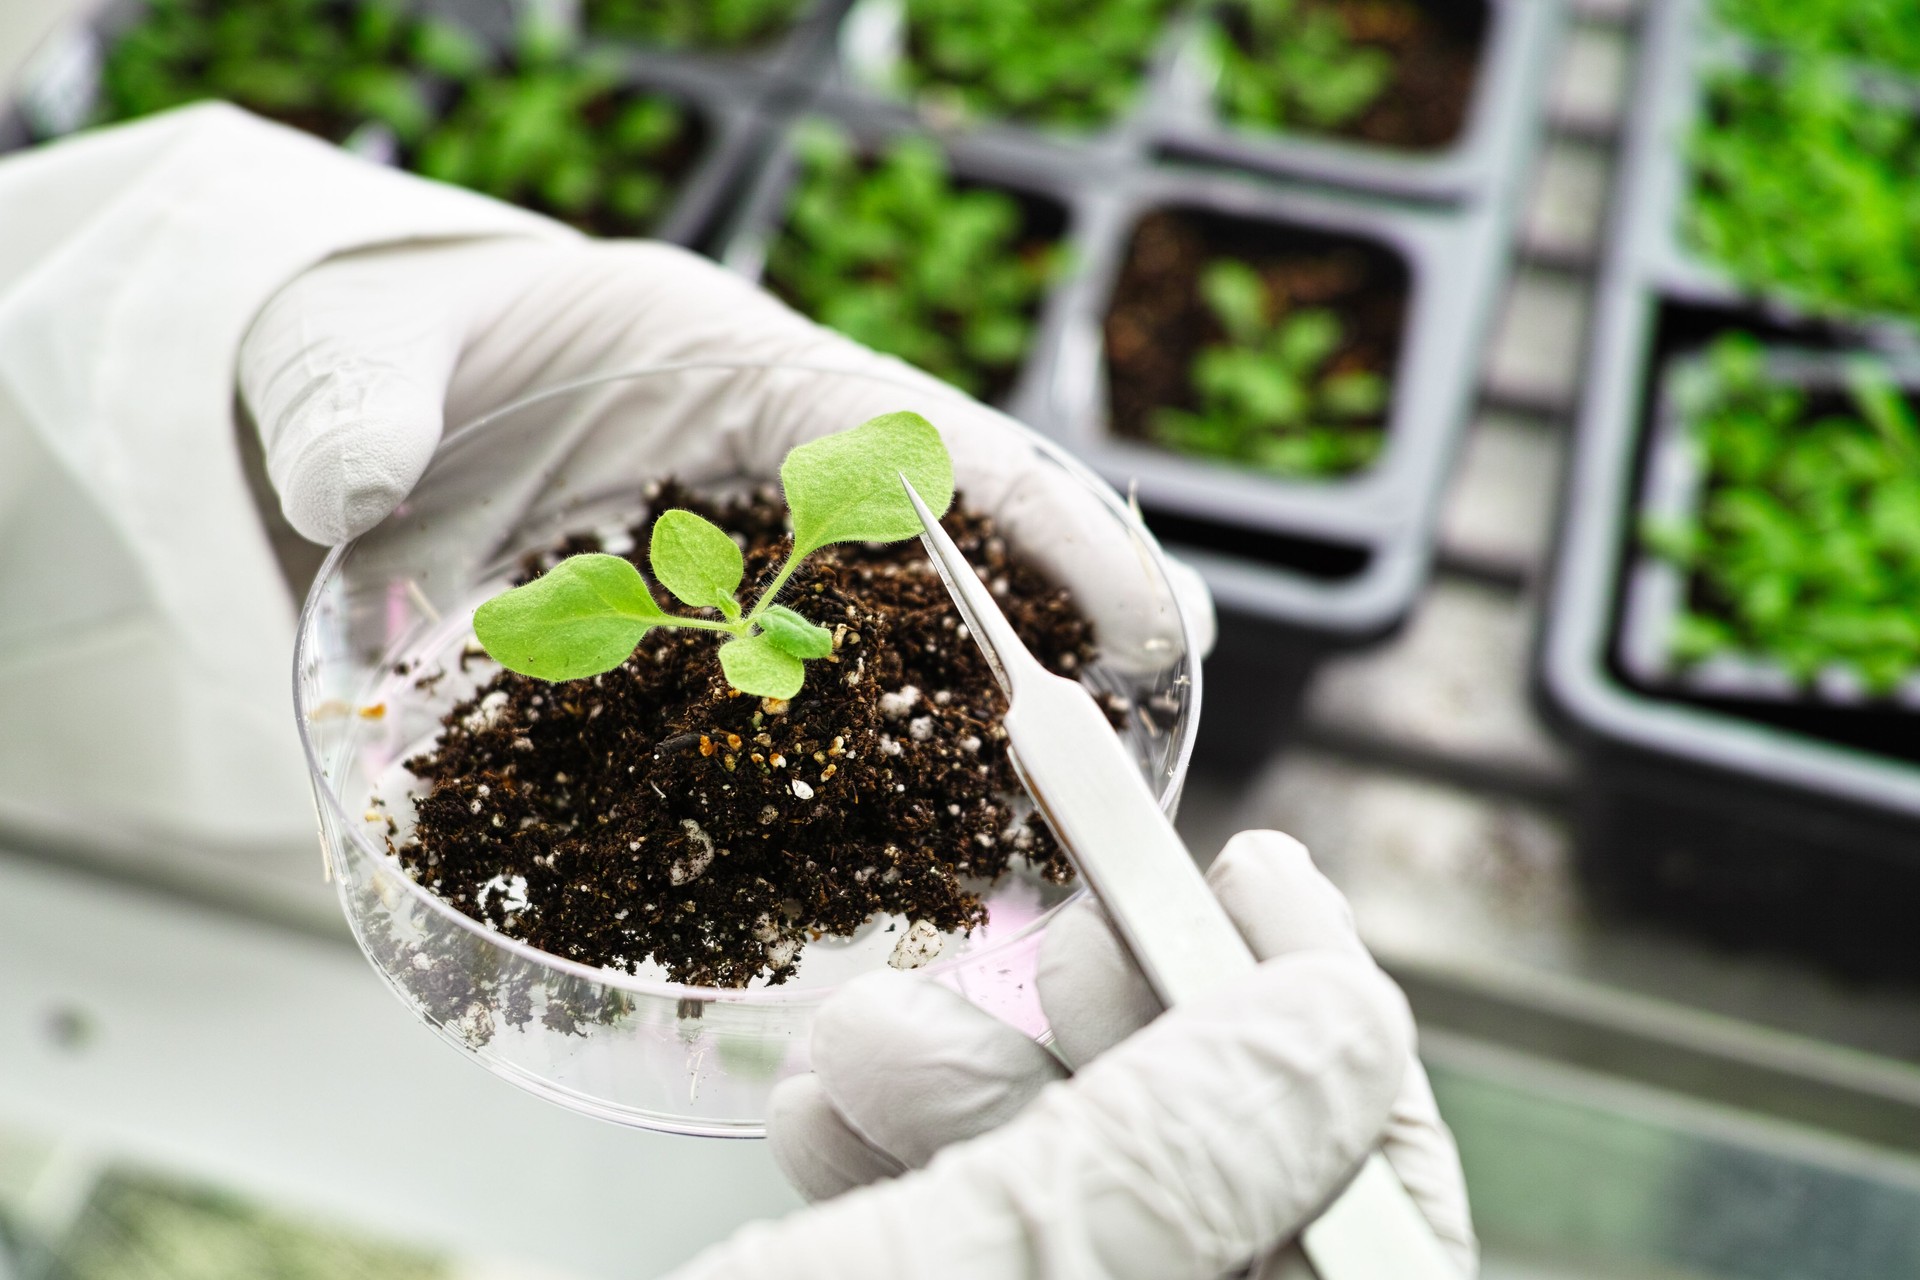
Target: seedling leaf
580, 618
755, 664
846, 487
793, 634
697, 561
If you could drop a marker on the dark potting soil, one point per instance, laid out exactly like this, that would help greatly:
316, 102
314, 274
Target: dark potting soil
1157, 322
655, 813
1435, 50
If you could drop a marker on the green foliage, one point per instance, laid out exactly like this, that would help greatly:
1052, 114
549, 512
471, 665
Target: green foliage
1058, 62
695, 560
1275, 395
326, 66
580, 618
846, 487
693, 24
1804, 187
556, 131
584, 616
1291, 64
1883, 31
1806, 546
898, 256
756, 664
788, 631
553, 129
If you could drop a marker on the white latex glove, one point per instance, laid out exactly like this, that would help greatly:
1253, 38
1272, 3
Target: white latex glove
1183, 1144
353, 368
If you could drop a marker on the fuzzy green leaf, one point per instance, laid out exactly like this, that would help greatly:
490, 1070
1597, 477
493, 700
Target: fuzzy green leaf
846, 487
794, 634
697, 561
756, 665
580, 618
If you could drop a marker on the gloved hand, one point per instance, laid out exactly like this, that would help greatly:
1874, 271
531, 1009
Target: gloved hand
1180, 1145
352, 370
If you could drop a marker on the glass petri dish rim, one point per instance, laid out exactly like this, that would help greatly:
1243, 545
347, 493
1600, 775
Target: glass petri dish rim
627, 982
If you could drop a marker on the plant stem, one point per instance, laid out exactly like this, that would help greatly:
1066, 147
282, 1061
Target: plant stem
773, 588
702, 624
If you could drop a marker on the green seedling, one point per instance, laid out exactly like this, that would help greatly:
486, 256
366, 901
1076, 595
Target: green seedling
326, 66
1291, 64
1802, 186
1806, 545
1881, 31
693, 24
1275, 395
1074, 63
584, 616
557, 132
898, 256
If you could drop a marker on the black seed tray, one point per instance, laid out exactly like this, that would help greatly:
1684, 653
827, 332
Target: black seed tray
1731, 812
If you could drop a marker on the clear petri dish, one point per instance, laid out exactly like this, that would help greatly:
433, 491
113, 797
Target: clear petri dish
393, 608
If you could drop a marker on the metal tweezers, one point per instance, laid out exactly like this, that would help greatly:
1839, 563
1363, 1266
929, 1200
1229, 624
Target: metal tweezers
1112, 827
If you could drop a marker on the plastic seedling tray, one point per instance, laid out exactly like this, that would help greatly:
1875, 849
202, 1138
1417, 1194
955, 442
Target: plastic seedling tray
1299, 567
1514, 38
984, 161
1757, 820
61, 94
1672, 488
1362, 540
870, 49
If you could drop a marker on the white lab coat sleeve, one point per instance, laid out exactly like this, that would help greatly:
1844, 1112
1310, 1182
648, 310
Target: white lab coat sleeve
145, 632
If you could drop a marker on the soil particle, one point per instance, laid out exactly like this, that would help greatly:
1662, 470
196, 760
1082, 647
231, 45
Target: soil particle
653, 813
1158, 323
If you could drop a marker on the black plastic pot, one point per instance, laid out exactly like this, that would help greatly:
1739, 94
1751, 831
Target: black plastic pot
732, 133
1491, 148
1757, 820
1654, 591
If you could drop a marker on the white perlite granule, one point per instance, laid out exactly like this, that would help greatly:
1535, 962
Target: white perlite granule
513, 894
918, 945
897, 704
802, 790
487, 713
698, 857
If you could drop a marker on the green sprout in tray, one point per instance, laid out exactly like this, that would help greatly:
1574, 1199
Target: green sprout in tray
1882, 31
584, 616
1804, 186
1292, 64
1805, 548
1275, 395
558, 132
898, 255
325, 66
693, 24
1075, 63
